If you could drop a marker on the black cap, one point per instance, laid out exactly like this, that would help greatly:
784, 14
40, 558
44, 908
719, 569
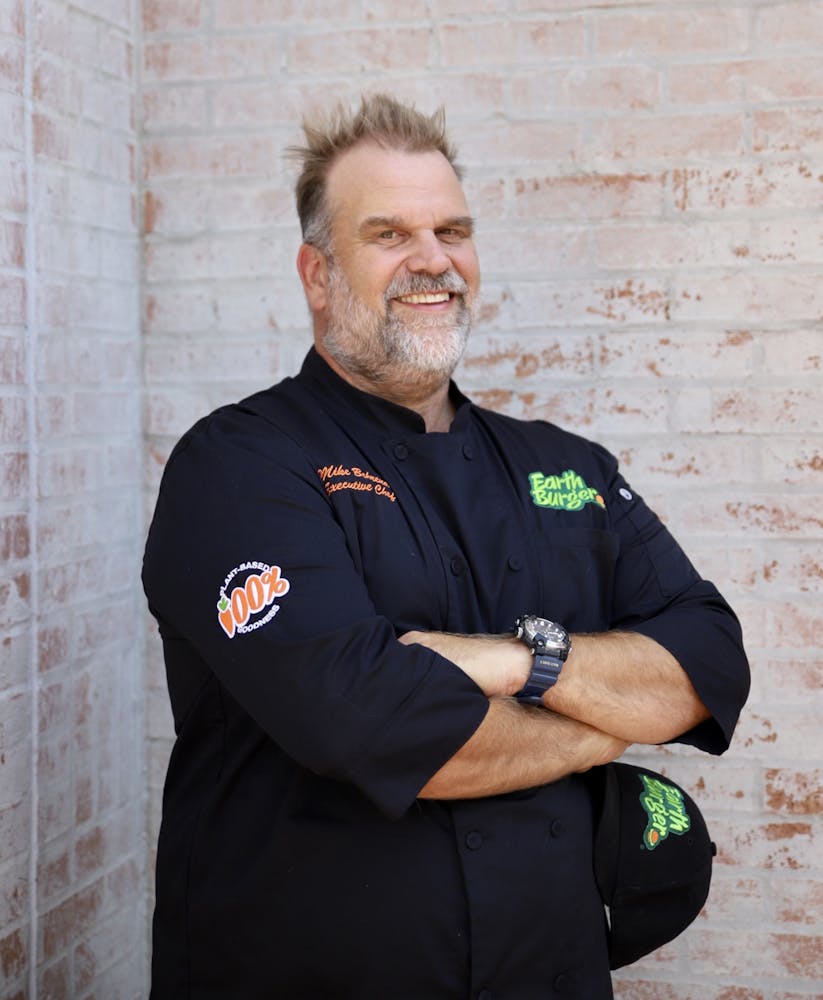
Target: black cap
652, 858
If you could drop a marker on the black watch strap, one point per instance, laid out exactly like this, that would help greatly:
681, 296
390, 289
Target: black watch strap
544, 673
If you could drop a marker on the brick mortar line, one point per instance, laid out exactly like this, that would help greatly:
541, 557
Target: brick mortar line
31, 394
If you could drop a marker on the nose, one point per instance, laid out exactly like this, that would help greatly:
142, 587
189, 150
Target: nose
428, 254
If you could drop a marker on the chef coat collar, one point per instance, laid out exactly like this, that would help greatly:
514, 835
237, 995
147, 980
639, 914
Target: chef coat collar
378, 413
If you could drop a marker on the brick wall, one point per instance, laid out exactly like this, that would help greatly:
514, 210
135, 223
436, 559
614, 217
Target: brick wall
72, 839
649, 181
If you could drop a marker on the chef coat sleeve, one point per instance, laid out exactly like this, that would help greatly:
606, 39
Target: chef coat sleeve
312, 662
659, 593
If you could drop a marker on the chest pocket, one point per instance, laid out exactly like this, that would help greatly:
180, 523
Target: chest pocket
576, 569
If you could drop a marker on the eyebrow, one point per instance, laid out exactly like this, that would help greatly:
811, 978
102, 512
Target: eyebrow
397, 222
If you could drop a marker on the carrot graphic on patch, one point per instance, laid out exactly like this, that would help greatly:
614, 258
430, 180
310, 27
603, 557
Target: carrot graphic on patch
225, 617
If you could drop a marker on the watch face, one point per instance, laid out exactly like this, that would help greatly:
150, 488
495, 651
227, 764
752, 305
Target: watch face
544, 635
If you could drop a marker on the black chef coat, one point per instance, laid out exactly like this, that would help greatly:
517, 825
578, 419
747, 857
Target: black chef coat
296, 535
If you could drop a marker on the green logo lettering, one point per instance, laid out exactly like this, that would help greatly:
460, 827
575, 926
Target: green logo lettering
665, 809
564, 491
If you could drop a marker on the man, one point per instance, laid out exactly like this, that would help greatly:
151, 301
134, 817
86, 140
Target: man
377, 789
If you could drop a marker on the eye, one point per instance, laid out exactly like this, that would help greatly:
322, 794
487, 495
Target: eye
451, 235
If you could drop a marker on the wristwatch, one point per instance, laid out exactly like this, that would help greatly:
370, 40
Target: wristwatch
550, 644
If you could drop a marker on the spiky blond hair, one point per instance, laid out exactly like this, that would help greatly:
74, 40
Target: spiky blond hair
380, 119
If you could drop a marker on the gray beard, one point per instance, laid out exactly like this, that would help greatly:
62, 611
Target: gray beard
420, 350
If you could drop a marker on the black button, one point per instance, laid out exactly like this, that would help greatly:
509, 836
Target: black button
468, 452
456, 566
474, 840
401, 452
557, 828
515, 563
561, 983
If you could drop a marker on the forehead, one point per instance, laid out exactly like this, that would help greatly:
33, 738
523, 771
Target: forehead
371, 181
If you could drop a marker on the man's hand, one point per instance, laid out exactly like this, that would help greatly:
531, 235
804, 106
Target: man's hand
498, 664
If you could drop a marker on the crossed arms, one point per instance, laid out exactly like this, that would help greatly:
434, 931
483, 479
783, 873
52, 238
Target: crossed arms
616, 688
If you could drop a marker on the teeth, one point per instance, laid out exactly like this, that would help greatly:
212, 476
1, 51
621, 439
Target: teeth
425, 298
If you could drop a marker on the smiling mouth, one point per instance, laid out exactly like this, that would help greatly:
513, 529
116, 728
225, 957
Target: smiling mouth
424, 298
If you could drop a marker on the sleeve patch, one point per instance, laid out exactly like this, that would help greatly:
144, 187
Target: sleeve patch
250, 602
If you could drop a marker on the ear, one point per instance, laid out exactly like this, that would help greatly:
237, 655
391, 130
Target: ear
313, 269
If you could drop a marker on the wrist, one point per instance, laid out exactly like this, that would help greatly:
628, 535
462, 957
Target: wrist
549, 645
520, 663
500, 664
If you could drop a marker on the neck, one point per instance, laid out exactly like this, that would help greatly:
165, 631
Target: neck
437, 411
430, 399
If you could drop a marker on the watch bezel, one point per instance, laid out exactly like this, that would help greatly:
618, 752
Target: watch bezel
542, 635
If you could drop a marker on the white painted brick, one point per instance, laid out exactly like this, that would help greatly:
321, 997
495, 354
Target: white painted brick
647, 181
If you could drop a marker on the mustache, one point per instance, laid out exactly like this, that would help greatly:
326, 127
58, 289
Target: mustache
420, 284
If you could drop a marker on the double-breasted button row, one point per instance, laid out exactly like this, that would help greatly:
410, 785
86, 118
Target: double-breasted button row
458, 566
401, 451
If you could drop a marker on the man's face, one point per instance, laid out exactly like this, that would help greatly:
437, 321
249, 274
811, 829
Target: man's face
404, 274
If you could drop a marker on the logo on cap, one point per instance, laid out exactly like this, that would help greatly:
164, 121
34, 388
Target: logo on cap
665, 810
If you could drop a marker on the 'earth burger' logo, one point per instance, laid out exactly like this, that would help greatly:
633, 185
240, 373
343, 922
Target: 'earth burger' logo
665, 810
564, 491
250, 603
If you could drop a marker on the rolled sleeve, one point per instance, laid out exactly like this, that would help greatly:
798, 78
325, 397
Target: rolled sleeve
658, 593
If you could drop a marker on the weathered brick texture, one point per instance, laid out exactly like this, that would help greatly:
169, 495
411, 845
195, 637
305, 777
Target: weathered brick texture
648, 180
71, 776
